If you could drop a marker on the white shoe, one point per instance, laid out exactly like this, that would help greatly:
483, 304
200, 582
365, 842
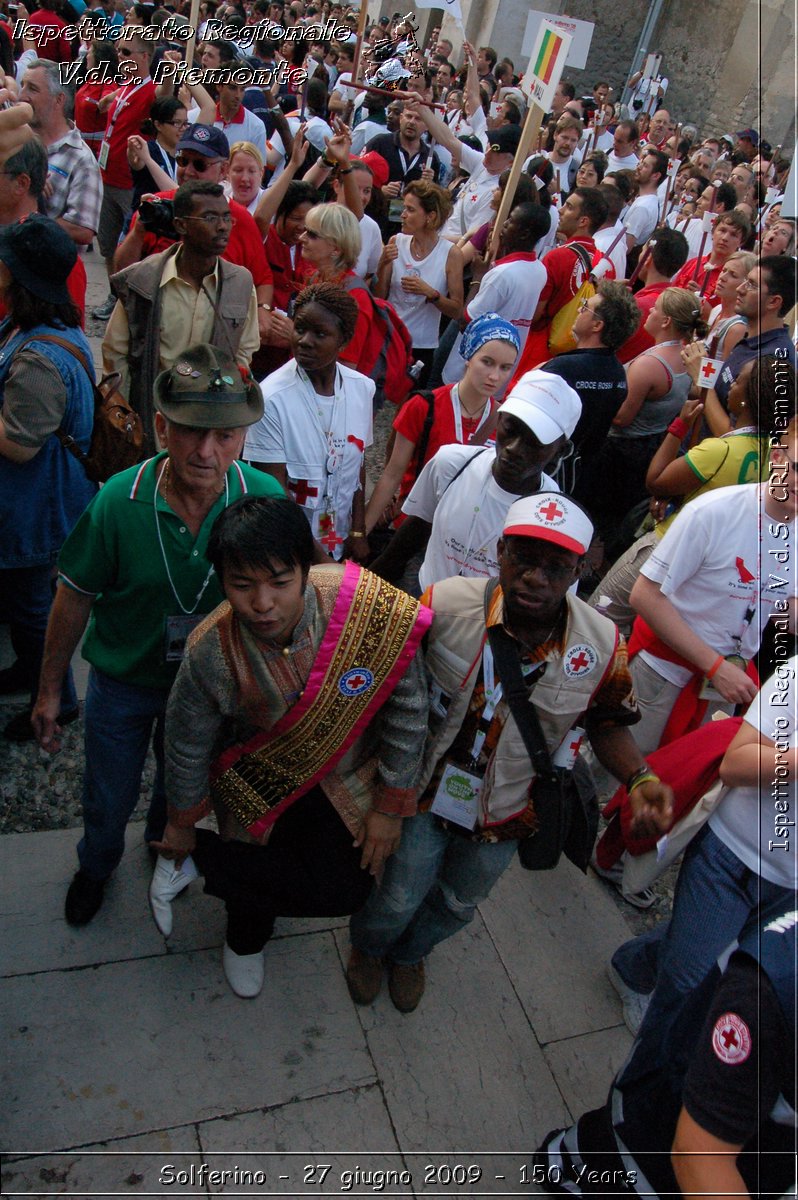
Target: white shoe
614, 875
634, 1003
167, 882
244, 972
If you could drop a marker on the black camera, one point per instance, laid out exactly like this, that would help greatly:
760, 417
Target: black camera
157, 218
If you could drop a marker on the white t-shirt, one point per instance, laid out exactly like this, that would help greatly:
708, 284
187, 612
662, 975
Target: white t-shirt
467, 515
604, 239
512, 289
321, 440
761, 844
627, 163
561, 172
245, 128
642, 217
472, 207
693, 231
423, 320
370, 248
318, 133
715, 564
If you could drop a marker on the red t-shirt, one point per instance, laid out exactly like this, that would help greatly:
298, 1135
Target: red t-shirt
645, 300
125, 117
409, 421
88, 118
289, 269
685, 277
565, 274
245, 248
59, 50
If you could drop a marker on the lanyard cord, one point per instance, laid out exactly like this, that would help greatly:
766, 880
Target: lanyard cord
188, 611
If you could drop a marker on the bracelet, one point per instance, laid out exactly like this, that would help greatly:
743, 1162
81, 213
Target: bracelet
325, 162
432, 299
356, 534
278, 112
268, 307
637, 775
647, 777
679, 428
713, 670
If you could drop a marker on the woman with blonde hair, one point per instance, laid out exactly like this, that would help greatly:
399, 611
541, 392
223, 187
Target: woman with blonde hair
657, 387
726, 326
420, 272
245, 175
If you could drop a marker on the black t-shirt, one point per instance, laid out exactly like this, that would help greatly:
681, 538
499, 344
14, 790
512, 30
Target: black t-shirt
743, 1062
600, 379
403, 167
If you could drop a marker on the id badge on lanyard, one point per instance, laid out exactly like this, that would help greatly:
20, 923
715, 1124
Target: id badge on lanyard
102, 157
176, 633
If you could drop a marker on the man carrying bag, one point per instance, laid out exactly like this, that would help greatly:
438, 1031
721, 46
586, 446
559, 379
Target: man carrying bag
493, 781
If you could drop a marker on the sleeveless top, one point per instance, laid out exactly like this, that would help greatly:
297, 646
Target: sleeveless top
655, 416
423, 320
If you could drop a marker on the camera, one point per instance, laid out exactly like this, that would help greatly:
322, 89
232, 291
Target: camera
157, 218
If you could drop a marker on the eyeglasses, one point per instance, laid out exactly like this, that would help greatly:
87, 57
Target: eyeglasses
526, 559
585, 307
217, 219
200, 165
178, 124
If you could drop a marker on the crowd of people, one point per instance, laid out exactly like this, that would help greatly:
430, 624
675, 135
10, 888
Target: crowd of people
574, 574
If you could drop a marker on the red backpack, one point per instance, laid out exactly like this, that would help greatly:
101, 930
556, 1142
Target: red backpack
387, 355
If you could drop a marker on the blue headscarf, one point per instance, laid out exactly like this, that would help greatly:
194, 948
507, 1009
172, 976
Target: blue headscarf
490, 327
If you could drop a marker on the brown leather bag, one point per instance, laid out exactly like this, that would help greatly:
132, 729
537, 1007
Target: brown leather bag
117, 437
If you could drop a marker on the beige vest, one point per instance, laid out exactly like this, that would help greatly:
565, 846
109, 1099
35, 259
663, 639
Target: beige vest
560, 697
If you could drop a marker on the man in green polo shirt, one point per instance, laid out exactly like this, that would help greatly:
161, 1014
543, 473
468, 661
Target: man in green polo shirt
134, 568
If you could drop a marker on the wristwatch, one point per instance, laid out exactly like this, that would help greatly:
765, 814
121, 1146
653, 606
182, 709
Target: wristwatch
268, 307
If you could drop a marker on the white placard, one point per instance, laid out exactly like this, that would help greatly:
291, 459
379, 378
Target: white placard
581, 33
540, 90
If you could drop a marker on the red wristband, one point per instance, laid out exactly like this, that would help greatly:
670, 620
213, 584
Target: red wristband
713, 670
679, 428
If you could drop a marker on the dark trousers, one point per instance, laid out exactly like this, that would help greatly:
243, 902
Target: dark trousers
308, 868
26, 595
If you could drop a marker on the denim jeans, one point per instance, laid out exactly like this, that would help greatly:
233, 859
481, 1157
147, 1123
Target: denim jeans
429, 890
26, 595
119, 721
715, 895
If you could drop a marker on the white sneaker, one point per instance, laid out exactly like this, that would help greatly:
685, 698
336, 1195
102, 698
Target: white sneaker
614, 875
634, 1003
244, 972
168, 881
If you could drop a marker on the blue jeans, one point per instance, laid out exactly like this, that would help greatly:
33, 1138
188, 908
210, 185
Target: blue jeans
119, 721
26, 595
429, 891
715, 895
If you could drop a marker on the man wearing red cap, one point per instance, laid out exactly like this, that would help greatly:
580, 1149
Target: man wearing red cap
476, 802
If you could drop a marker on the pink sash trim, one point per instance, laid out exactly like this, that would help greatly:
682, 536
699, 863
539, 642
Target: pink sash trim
317, 680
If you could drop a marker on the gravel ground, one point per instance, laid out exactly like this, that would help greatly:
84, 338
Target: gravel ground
42, 791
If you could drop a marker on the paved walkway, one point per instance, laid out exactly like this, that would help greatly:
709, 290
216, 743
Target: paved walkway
129, 1063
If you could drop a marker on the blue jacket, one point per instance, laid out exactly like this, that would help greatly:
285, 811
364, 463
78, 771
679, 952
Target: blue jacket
40, 500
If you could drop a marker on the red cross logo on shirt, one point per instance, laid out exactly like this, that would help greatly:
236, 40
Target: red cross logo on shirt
301, 490
551, 512
730, 1038
356, 681
579, 663
708, 370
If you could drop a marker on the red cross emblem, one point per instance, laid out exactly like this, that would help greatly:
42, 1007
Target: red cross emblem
731, 1039
301, 490
331, 539
580, 660
356, 681
708, 370
551, 511
579, 663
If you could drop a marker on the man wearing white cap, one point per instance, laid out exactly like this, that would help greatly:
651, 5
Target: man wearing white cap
476, 799
457, 506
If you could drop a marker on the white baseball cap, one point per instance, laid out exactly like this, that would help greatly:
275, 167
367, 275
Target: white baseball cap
550, 517
546, 404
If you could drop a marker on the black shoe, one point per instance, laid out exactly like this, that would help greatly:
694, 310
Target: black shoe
84, 899
19, 728
14, 679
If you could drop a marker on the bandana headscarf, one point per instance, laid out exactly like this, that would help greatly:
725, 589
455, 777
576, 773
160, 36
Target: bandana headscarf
490, 327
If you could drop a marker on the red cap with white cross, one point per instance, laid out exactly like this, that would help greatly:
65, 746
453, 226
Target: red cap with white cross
551, 517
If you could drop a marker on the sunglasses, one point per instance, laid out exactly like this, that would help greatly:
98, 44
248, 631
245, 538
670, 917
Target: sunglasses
200, 165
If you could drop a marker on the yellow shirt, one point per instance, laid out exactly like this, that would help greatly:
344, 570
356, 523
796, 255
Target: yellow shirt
186, 320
